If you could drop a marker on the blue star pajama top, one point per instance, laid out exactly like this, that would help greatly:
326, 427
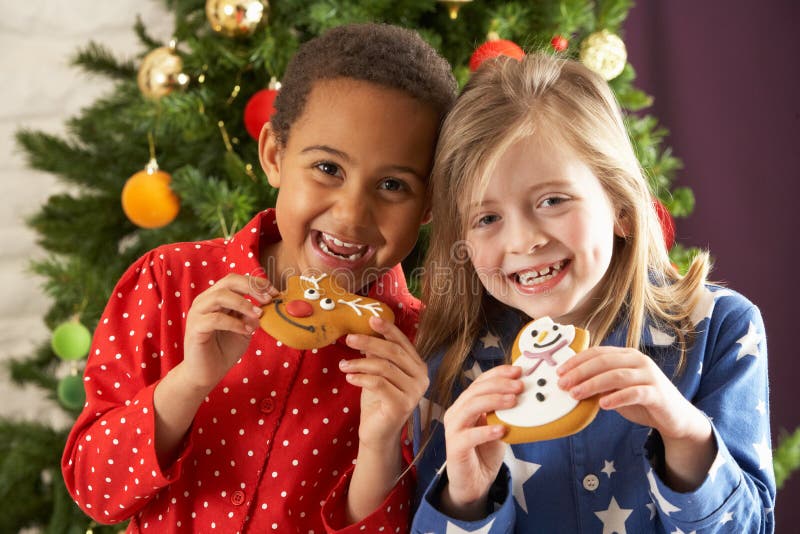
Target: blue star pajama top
603, 479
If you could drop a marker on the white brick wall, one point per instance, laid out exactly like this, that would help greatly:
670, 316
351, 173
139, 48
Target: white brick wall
40, 90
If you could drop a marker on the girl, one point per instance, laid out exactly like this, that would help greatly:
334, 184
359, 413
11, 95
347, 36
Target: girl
199, 421
540, 186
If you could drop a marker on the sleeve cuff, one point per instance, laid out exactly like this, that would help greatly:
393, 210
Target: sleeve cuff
707, 501
501, 519
393, 513
143, 414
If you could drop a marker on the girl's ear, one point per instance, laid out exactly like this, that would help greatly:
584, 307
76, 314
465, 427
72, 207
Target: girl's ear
269, 155
622, 225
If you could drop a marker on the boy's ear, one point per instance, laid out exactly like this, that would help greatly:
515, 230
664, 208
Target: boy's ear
427, 216
269, 155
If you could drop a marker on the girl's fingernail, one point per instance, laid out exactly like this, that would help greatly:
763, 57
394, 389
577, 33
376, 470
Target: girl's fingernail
575, 392
258, 311
563, 383
343, 364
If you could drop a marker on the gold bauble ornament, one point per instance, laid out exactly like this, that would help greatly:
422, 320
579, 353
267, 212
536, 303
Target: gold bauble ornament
161, 72
453, 6
236, 18
604, 53
147, 199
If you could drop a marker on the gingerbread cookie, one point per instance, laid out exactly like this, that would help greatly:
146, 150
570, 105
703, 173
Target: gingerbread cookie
314, 312
544, 410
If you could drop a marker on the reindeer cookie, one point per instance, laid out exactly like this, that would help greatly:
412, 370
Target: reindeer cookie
545, 411
314, 312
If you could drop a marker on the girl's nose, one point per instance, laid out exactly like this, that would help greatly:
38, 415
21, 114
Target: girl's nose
524, 237
299, 308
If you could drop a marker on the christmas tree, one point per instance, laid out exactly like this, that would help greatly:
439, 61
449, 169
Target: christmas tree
170, 154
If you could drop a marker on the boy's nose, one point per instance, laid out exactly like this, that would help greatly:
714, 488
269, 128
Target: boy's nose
299, 308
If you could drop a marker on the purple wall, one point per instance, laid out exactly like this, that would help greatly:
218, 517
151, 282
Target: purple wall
726, 83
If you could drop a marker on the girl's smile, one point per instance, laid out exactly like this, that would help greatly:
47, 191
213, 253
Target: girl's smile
542, 234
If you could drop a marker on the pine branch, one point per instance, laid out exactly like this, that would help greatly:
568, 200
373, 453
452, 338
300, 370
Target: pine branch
786, 457
96, 58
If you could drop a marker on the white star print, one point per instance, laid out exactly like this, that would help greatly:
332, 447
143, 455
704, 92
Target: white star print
521, 471
705, 305
608, 468
661, 339
719, 461
474, 372
652, 508
455, 529
727, 516
663, 503
761, 407
679, 531
749, 343
436, 412
490, 340
764, 453
614, 518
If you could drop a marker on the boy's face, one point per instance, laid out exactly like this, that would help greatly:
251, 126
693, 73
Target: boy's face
352, 178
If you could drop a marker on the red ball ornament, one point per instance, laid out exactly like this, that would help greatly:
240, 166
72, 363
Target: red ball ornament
494, 48
258, 111
667, 223
559, 43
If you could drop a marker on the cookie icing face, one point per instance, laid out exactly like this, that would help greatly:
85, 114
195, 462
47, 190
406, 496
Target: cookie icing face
541, 347
314, 312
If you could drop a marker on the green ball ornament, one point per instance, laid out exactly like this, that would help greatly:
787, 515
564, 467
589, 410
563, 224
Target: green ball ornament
70, 392
71, 341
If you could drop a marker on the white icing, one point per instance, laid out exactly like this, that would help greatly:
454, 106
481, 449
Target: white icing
530, 411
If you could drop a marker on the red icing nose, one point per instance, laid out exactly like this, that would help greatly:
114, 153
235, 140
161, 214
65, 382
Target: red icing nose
299, 308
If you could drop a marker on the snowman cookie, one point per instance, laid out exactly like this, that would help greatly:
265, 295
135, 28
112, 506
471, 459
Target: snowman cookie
543, 410
314, 312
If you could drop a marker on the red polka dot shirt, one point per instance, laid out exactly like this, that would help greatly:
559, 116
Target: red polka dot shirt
272, 447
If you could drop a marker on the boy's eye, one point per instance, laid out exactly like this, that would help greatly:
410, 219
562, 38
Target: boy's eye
328, 168
392, 184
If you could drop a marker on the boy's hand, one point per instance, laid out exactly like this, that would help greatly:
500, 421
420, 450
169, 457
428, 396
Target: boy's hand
474, 452
219, 326
393, 379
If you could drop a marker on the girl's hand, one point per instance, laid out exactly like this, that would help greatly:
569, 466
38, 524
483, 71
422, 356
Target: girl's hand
219, 326
632, 384
392, 378
474, 454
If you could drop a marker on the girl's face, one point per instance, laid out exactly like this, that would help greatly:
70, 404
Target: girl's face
352, 182
541, 236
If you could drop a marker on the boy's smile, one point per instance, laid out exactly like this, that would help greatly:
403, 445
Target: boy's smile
352, 182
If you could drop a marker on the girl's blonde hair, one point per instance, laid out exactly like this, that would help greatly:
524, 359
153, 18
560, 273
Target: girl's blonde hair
507, 100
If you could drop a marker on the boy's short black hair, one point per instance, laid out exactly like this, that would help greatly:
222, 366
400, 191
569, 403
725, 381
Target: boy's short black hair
383, 54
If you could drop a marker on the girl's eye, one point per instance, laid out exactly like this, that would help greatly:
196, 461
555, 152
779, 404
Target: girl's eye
327, 304
311, 294
328, 168
486, 220
552, 201
392, 184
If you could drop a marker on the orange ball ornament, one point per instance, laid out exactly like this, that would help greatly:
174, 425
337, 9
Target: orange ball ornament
147, 199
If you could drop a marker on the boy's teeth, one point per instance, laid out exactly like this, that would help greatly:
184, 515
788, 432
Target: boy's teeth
359, 249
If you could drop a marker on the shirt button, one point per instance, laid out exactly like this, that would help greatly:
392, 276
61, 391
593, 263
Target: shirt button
591, 482
267, 406
237, 497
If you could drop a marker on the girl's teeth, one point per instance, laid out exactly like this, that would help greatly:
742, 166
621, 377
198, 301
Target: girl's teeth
532, 278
